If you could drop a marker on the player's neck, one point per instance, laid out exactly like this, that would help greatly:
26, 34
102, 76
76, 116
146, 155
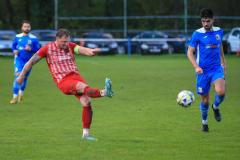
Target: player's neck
208, 30
25, 34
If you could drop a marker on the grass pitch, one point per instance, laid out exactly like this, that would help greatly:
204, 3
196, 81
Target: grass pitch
141, 122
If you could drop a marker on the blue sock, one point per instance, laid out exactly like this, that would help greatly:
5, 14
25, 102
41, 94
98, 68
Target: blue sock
16, 87
218, 100
24, 84
204, 111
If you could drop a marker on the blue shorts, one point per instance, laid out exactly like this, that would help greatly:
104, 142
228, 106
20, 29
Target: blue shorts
18, 66
205, 80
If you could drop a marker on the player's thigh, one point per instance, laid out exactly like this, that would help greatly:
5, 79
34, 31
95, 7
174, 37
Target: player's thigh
203, 83
18, 67
218, 79
81, 85
70, 85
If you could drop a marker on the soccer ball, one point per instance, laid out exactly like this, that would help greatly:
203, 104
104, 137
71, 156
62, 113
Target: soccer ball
185, 98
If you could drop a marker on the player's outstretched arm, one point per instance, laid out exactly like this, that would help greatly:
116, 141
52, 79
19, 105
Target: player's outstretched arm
35, 58
86, 51
191, 57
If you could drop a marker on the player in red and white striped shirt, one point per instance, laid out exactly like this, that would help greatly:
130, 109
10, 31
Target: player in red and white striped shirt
61, 63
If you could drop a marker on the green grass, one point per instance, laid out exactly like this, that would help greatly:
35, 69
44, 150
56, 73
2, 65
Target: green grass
141, 122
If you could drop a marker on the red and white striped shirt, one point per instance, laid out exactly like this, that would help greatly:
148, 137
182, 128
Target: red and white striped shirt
61, 62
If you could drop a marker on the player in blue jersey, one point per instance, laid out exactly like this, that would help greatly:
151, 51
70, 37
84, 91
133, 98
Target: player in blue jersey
24, 46
209, 65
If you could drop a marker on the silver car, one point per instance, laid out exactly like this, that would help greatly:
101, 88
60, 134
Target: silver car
44, 35
6, 39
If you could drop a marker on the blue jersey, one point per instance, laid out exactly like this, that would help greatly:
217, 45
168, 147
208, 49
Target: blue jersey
20, 42
208, 47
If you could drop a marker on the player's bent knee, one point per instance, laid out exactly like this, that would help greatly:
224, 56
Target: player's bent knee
220, 90
205, 100
205, 103
80, 87
85, 100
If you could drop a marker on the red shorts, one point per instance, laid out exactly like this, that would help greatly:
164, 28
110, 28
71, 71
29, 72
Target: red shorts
68, 84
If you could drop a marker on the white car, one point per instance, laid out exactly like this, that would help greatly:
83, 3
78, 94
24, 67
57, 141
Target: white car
233, 40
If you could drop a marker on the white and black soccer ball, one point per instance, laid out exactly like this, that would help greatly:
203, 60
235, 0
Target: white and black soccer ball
185, 98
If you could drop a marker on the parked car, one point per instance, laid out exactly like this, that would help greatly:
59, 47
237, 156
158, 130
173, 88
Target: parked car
232, 40
101, 40
154, 42
224, 43
6, 39
44, 35
181, 45
151, 42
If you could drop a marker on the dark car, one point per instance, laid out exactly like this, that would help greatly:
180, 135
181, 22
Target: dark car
151, 42
6, 39
44, 36
101, 40
154, 42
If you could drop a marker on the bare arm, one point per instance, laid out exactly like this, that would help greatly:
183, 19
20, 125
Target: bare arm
35, 58
223, 60
86, 51
191, 57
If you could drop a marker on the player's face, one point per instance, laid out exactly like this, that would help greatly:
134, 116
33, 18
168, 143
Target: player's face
26, 28
62, 42
207, 23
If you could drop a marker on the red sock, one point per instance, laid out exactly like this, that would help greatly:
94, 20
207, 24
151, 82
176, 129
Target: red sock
92, 92
87, 116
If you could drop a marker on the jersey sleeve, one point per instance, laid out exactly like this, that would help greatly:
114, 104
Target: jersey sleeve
194, 40
222, 33
35, 46
43, 51
72, 46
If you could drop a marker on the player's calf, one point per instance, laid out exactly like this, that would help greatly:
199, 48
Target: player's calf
95, 93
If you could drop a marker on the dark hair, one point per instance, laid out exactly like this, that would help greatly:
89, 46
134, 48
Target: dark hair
62, 32
206, 13
26, 21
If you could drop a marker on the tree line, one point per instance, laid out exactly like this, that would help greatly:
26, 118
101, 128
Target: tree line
41, 13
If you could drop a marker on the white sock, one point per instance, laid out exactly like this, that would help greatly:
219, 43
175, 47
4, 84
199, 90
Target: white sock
85, 132
215, 107
21, 92
204, 121
15, 95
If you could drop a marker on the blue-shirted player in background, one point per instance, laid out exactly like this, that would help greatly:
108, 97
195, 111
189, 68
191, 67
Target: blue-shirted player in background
24, 46
209, 65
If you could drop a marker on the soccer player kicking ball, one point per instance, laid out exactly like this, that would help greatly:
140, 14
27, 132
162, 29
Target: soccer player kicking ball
61, 62
209, 65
